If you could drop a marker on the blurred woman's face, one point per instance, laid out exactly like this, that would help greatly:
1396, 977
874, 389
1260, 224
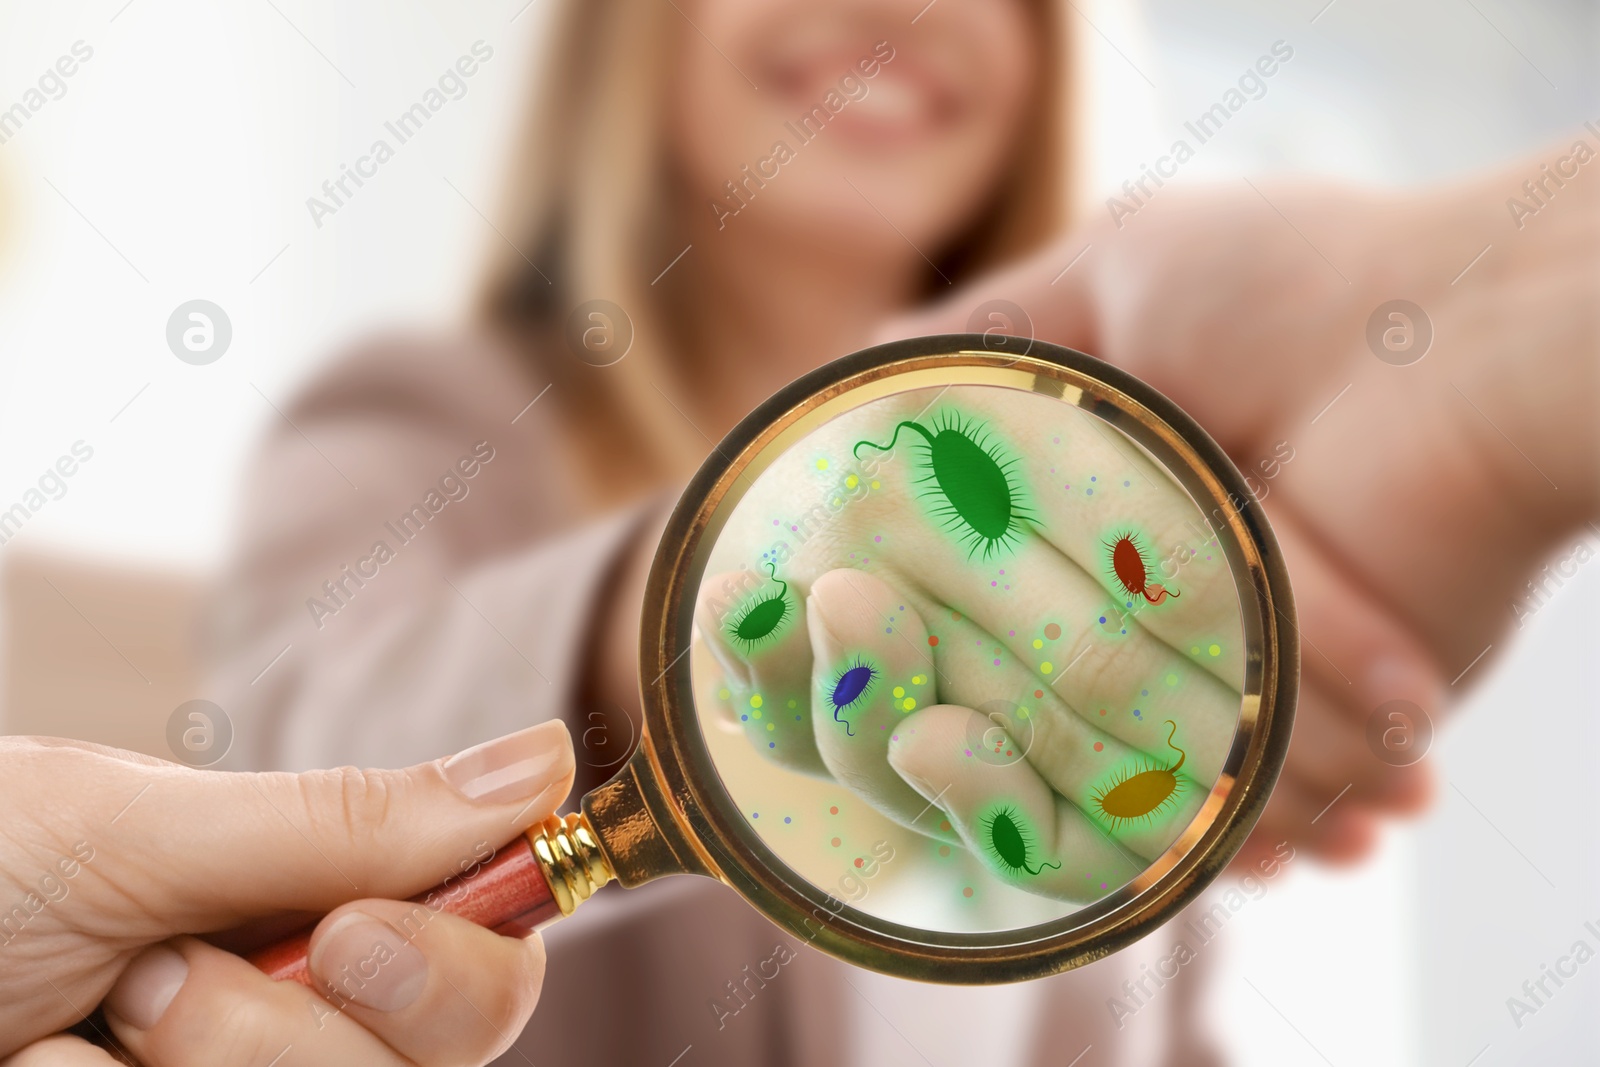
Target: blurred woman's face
854, 111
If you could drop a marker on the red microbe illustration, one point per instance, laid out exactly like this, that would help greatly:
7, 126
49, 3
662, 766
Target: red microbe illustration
1127, 563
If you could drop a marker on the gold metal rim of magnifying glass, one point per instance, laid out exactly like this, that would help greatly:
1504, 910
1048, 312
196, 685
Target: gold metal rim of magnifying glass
668, 812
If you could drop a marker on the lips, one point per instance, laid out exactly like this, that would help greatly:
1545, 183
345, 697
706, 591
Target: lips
905, 98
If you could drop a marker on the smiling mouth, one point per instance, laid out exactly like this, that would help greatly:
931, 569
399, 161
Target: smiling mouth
901, 101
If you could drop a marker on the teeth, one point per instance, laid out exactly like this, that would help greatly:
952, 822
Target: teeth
892, 100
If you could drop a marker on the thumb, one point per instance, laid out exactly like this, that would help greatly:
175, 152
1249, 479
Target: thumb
1047, 296
206, 850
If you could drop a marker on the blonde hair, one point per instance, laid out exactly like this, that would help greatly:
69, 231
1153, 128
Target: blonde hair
586, 197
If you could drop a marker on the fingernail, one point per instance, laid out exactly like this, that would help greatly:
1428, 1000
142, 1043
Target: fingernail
141, 996
517, 767
366, 961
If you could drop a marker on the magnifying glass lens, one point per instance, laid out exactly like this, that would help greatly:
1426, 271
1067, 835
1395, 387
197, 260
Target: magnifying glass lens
967, 657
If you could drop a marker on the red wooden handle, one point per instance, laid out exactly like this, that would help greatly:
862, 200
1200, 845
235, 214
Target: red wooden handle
508, 894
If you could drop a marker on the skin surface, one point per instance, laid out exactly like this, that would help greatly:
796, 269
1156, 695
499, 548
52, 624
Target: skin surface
887, 544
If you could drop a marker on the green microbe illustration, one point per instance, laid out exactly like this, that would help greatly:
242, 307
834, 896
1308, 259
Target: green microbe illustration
761, 617
1007, 839
973, 481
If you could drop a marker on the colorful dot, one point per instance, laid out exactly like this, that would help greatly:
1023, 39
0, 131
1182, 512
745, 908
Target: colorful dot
744, 718
851, 482
787, 819
755, 715
944, 850
1172, 679
955, 616
755, 701
834, 842
1037, 643
944, 824
858, 861
908, 703
822, 464
899, 691
1038, 693
877, 538
1046, 667
792, 704
932, 640
723, 692
1099, 747
967, 892
1215, 650
1194, 650
833, 810
772, 744
772, 726
1102, 711
755, 815
918, 679
1052, 631
876, 484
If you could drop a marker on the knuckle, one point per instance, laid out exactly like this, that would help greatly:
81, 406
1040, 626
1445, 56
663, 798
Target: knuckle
347, 803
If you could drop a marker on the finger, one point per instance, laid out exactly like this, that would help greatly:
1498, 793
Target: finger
208, 850
1080, 761
1050, 612
1321, 823
60, 1051
756, 631
1058, 304
1353, 645
1006, 813
186, 1004
871, 669
1090, 488
435, 988
1330, 751
1088, 664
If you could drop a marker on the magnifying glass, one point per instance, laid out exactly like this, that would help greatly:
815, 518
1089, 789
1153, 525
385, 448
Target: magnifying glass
964, 658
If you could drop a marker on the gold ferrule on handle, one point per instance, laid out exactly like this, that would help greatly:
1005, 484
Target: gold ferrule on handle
569, 856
